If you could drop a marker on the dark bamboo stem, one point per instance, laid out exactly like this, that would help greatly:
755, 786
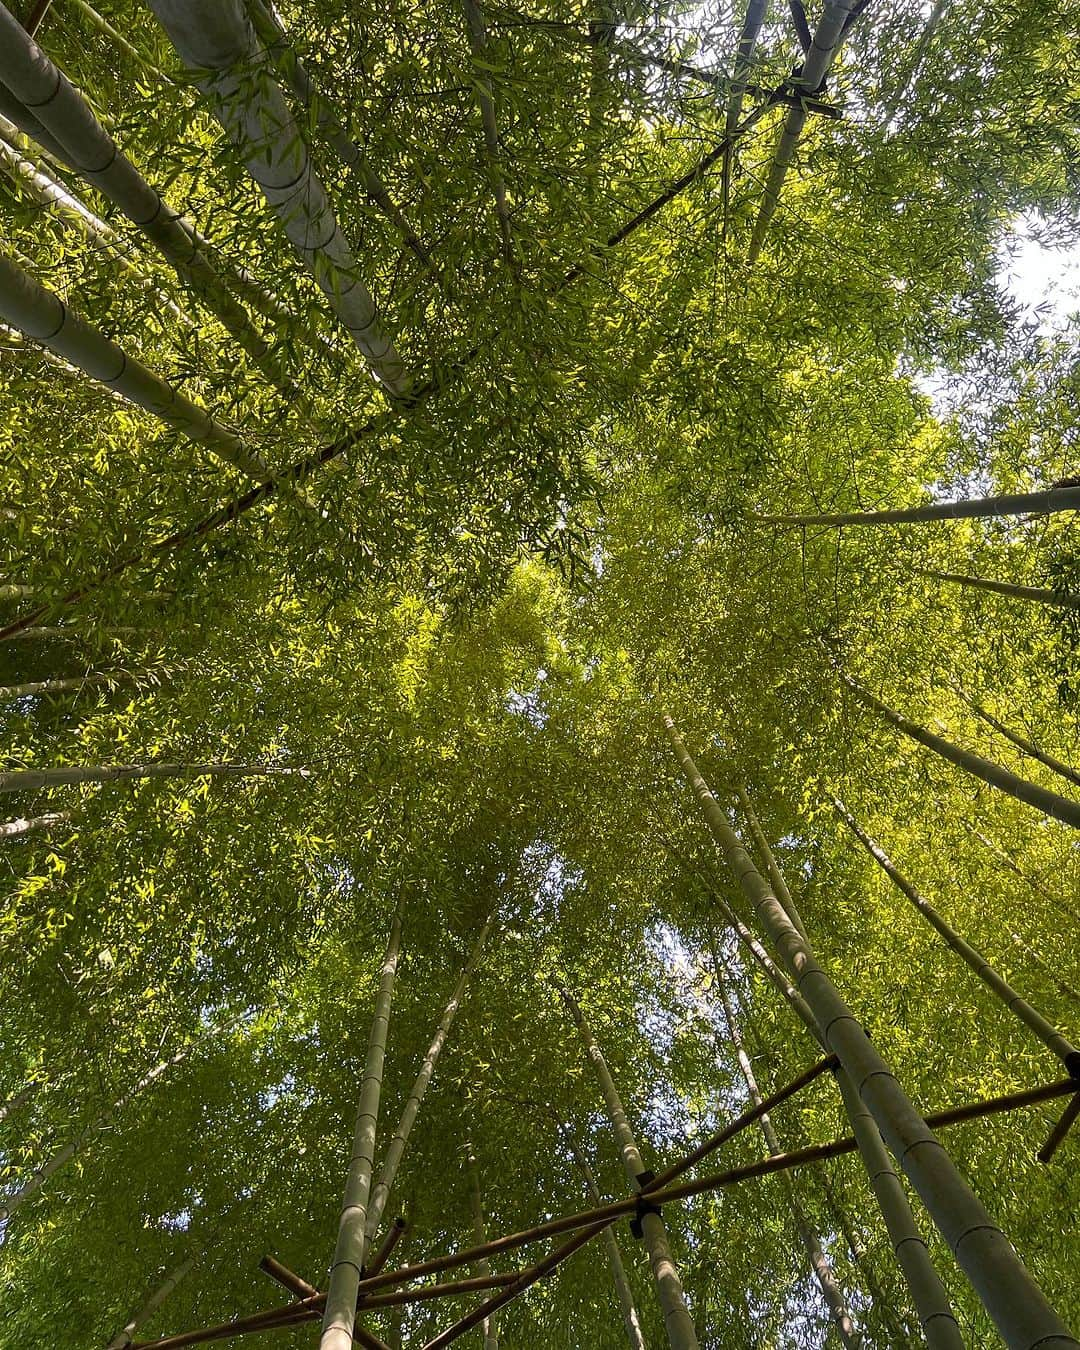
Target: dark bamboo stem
389, 1242
1060, 1130
285, 1277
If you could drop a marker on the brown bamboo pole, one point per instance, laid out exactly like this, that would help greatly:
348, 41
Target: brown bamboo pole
677, 1320
1050, 803
488, 1328
1012, 1298
339, 1316
286, 1278
1044, 1030
1037, 594
1007, 504
1029, 747
394, 1234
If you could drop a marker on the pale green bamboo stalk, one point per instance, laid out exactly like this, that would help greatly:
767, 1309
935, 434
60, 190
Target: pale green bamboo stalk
15, 829
1029, 747
1050, 803
1062, 985
488, 1327
744, 53
835, 1303
396, 1148
485, 101
216, 40
916, 60
816, 66
1008, 504
1050, 1037
11, 691
25, 780
1014, 1301
623, 1292
75, 135
340, 1311
677, 1320
43, 316
13, 590
775, 876
1038, 594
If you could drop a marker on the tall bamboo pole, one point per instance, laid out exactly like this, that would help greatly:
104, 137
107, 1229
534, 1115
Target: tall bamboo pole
488, 1327
753, 18
1038, 595
126, 1334
340, 1313
216, 40
1012, 1298
1032, 882
1050, 803
396, 1148
1029, 747
833, 1295
10, 691
677, 1320
623, 1292
1050, 1037
485, 99
26, 780
1006, 504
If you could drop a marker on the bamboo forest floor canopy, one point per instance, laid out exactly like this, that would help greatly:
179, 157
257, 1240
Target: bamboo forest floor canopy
540, 674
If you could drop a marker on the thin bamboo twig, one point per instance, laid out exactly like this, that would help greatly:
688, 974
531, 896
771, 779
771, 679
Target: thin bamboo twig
1029, 747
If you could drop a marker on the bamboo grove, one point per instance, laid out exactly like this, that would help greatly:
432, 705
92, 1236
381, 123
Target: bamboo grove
539, 675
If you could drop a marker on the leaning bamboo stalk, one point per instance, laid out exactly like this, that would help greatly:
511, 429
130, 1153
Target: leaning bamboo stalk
396, 1148
485, 101
917, 57
17, 1102
44, 317
753, 18
124, 1337
1040, 595
775, 875
1061, 985
1028, 747
10, 691
114, 35
677, 1320
339, 1315
23, 825
1013, 1300
816, 67
1050, 803
1050, 1037
1032, 882
835, 1303
216, 40
1008, 504
488, 1328
83, 143
25, 780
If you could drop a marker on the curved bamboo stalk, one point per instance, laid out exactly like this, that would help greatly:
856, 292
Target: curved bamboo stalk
483, 1266
1050, 803
16, 829
216, 40
1014, 1301
1038, 594
43, 316
1050, 1037
1058, 766
677, 1320
819, 60
1008, 504
82, 142
27, 780
396, 1148
339, 1316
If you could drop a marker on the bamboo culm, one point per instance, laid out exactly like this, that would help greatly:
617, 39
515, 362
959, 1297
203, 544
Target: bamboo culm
25, 780
1038, 595
50, 820
126, 1334
380, 1193
623, 1292
1007, 504
677, 1320
341, 1290
1050, 1037
488, 1328
1012, 1298
215, 39
1058, 766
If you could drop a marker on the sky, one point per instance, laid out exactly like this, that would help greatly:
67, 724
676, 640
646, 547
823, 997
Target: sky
1036, 276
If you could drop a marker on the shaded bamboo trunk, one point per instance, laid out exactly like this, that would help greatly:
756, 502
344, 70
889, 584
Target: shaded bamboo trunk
10, 691
18, 1101
126, 1334
25, 780
1037, 594
485, 100
216, 40
1050, 803
677, 1320
488, 1328
744, 53
15, 829
52, 1165
816, 67
1051, 1038
916, 59
395, 1149
1007, 504
625, 1294
1014, 1301
63, 122
833, 1295
1058, 766
340, 1311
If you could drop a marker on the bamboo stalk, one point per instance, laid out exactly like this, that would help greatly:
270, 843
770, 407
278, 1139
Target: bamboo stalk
1014, 1301
1050, 803
287, 1278
27, 780
104, 26
339, 1315
1060, 1130
753, 18
1038, 594
486, 102
17, 1101
1050, 1037
1008, 504
488, 1328
1058, 766
124, 1337
16, 829
1033, 883
394, 1234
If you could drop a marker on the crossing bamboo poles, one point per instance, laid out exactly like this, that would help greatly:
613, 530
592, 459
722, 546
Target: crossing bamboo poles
1041, 503
215, 39
816, 66
1050, 803
1044, 1030
339, 1316
677, 1320
1013, 1300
